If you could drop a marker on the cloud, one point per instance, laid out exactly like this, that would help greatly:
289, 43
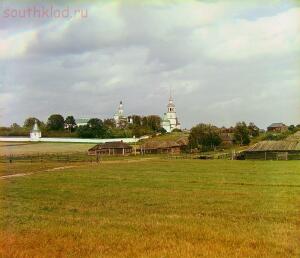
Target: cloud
223, 62
16, 45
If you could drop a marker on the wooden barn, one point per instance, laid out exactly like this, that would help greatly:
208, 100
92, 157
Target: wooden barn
111, 148
183, 142
274, 150
277, 128
160, 147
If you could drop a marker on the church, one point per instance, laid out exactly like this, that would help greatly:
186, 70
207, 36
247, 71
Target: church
120, 119
170, 120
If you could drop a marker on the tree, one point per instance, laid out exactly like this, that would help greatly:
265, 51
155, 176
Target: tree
176, 130
292, 128
109, 123
29, 122
241, 133
136, 120
153, 122
55, 122
204, 136
253, 130
84, 132
144, 121
94, 129
70, 123
15, 126
162, 130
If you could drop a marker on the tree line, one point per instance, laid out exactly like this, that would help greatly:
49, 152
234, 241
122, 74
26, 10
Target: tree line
58, 126
208, 137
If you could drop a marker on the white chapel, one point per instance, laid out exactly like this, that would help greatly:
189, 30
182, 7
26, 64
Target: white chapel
35, 133
170, 120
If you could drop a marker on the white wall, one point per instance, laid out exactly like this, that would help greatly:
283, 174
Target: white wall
74, 140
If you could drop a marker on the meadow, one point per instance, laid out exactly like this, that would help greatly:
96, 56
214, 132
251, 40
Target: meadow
153, 208
34, 148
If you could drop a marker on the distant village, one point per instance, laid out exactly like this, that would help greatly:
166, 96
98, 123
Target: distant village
113, 136
169, 121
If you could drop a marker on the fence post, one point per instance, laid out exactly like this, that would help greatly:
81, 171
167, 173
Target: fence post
265, 155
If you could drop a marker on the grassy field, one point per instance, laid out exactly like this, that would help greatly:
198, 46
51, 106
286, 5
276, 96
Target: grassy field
154, 208
30, 148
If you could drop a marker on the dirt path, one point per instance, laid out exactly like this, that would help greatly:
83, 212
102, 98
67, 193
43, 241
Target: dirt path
31, 173
66, 167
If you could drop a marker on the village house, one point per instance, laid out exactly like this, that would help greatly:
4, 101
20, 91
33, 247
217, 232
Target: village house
164, 147
274, 150
111, 148
160, 147
277, 128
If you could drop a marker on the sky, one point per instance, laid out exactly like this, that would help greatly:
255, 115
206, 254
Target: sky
225, 61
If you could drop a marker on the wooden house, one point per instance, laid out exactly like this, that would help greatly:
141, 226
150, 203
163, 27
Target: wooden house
277, 128
160, 147
274, 150
111, 148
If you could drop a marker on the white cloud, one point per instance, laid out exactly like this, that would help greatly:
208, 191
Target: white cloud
13, 46
213, 57
244, 39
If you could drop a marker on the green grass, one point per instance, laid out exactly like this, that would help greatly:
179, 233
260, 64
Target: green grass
154, 208
12, 148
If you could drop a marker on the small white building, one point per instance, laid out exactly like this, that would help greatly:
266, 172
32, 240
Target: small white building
35, 133
81, 121
120, 119
170, 120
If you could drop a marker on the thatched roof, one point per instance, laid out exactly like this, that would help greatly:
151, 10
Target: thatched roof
183, 141
275, 146
111, 145
294, 137
276, 125
159, 145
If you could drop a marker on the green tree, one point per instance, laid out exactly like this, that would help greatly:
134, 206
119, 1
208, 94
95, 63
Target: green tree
253, 130
70, 123
162, 130
136, 120
55, 122
204, 136
292, 128
109, 123
29, 122
144, 121
153, 122
241, 133
95, 128
15, 126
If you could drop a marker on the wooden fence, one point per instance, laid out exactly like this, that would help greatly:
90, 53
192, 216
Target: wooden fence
265, 155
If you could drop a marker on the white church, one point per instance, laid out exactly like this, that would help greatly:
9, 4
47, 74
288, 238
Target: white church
120, 118
169, 120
